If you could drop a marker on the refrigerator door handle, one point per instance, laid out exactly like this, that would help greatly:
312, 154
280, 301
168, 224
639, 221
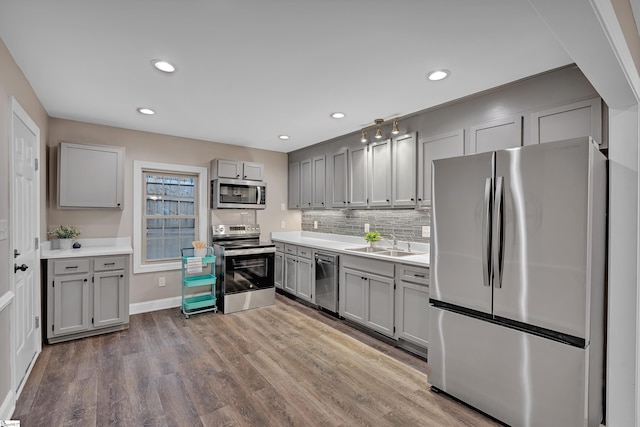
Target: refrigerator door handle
486, 233
498, 258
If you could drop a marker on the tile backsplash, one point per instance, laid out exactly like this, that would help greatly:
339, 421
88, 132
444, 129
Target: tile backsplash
405, 224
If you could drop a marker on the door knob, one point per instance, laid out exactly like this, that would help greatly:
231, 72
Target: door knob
22, 267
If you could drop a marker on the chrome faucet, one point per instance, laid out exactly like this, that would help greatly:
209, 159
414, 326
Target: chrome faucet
395, 242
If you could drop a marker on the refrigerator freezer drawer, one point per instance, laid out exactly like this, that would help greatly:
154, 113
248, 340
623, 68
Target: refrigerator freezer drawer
518, 378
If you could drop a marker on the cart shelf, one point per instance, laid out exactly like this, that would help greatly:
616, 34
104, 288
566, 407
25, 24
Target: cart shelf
207, 278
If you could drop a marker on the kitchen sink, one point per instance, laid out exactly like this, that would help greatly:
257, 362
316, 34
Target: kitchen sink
398, 253
368, 249
384, 251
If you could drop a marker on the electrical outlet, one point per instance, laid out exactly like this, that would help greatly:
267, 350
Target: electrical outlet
282, 224
366, 228
315, 225
161, 282
426, 231
283, 207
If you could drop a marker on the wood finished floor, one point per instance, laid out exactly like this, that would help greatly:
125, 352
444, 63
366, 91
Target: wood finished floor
283, 365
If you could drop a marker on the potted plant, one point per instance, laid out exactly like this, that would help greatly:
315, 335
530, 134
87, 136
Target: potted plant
372, 237
65, 235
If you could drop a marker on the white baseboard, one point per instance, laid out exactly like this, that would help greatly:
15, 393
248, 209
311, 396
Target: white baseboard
8, 406
158, 304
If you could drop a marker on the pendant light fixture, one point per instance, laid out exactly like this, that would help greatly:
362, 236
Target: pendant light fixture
378, 124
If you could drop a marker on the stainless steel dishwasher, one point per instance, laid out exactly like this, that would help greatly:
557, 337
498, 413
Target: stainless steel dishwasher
327, 281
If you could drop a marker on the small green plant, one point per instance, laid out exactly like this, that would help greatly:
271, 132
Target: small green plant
372, 236
64, 232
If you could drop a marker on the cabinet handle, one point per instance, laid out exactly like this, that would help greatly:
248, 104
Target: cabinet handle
419, 199
70, 267
387, 200
84, 280
109, 263
412, 199
238, 176
419, 275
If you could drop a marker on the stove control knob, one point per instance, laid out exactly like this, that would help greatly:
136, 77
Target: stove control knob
220, 229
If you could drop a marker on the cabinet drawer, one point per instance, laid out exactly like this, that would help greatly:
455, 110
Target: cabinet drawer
279, 246
291, 249
108, 263
305, 252
414, 274
369, 265
71, 266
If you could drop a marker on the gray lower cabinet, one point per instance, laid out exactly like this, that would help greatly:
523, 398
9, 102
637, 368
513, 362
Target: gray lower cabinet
279, 270
299, 272
367, 293
86, 296
412, 304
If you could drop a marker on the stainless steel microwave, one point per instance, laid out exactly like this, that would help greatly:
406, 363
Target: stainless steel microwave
238, 194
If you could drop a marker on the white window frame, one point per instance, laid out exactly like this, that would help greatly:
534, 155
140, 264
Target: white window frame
138, 172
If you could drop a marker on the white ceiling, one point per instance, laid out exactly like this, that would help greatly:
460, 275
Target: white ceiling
250, 70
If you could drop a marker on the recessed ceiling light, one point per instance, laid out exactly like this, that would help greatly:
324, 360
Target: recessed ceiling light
284, 137
146, 111
164, 66
338, 115
438, 75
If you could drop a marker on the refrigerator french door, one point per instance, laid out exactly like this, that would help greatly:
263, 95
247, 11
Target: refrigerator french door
517, 282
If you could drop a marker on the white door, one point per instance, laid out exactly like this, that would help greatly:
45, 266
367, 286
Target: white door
25, 219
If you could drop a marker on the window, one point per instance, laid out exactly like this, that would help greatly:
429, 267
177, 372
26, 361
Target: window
170, 211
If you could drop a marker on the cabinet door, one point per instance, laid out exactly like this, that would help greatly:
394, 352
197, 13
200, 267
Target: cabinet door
412, 313
279, 266
380, 173
306, 186
575, 120
90, 176
229, 169
433, 148
71, 304
318, 182
358, 177
379, 299
252, 171
290, 274
294, 185
497, 135
404, 170
352, 294
109, 299
339, 179
305, 279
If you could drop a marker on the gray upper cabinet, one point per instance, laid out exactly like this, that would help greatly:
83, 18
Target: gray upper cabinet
433, 148
237, 169
306, 183
380, 173
358, 165
318, 182
497, 135
294, 185
90, 176
573, 120
404, 170
339, 179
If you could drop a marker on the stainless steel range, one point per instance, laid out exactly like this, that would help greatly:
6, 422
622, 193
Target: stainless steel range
244, 267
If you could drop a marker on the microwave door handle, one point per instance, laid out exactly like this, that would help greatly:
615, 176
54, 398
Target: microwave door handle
259, 199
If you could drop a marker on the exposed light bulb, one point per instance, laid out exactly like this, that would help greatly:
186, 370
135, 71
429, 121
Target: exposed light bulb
363, 138
394, 128
378, 133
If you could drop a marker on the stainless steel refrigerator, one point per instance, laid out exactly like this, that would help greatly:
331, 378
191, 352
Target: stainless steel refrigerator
517, 294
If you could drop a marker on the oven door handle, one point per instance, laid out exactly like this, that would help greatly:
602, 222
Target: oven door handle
252, 251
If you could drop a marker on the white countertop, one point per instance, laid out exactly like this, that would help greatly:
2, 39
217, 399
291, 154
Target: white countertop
340, 243
90, 247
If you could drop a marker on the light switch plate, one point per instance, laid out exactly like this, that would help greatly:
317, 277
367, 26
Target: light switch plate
4, 229
282, 224
283, 207
366, 228
315, 225
426, 231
